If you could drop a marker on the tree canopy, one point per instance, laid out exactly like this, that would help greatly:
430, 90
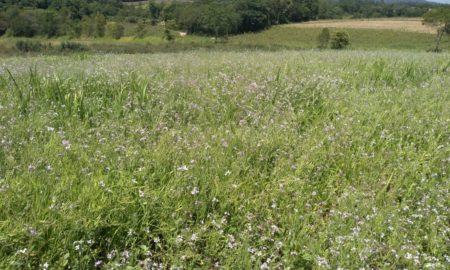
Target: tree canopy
206, 17
439, 17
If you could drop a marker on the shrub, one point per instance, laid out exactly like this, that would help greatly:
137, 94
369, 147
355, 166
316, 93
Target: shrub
29, 46
168, 35
323, 39
140, 30
87, 25
340, 40
115, 30
75, 30
100, 23
72, 46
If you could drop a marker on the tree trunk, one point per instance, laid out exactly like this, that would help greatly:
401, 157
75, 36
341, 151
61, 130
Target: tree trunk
440, 33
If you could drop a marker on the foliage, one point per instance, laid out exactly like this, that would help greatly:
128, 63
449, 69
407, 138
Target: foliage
93, 26
88, 26
208, 17
37, 46
72, 47
155, 12
229, 160
29, 46
323, 38
99, 25
19, 24
140, 30
253, 16
115, 30
168, 35
439, 17
340, 40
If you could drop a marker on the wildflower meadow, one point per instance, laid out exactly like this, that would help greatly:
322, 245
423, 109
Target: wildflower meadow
225, 160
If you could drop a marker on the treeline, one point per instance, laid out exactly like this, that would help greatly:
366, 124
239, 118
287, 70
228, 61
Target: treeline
221, 18
76, 9
208, 17
215, 17
371, 9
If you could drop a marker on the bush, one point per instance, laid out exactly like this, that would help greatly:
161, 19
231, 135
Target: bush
100, 23
29, 46
340, 40
323, 39
115, 30
140, 30
72, 46
168, 35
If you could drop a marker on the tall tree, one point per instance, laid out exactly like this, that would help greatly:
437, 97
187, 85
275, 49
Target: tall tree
439, 17
100, 24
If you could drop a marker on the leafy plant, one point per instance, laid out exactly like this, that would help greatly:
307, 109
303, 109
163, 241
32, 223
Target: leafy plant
115, 30
72, 46
340, 40
440, 18
323, 39
29, 46
168, 35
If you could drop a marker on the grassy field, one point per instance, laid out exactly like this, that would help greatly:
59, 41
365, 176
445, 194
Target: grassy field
380, 34
360, 39
400, 24
225, 160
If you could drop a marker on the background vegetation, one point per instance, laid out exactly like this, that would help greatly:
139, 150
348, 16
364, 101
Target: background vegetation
27, 18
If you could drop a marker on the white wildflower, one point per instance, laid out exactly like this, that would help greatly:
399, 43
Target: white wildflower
195, 191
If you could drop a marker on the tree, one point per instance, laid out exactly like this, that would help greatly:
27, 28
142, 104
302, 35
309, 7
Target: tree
278, 10
50, 24
115, 30
439, 17
74, 29
140, 30
154, 11
100, 23
21, 24
3, 24
323, 38
168, 35
87, 26
340, 40
253, 15
219, 21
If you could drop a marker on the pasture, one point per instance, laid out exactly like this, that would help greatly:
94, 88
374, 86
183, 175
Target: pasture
374, 34
365, 34
225, 160
400, 24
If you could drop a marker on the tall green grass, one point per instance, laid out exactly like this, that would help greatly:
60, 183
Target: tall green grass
205, 160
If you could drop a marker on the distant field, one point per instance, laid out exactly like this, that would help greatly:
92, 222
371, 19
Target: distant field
360, 39
407, 24
294, 36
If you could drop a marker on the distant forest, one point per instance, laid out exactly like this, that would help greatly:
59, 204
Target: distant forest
75, 18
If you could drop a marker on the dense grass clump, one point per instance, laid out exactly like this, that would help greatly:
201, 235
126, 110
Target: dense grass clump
225, 160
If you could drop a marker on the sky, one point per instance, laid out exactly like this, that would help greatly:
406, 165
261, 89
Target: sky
440, 1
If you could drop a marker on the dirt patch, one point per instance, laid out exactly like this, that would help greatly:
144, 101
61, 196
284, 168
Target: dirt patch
411, 25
